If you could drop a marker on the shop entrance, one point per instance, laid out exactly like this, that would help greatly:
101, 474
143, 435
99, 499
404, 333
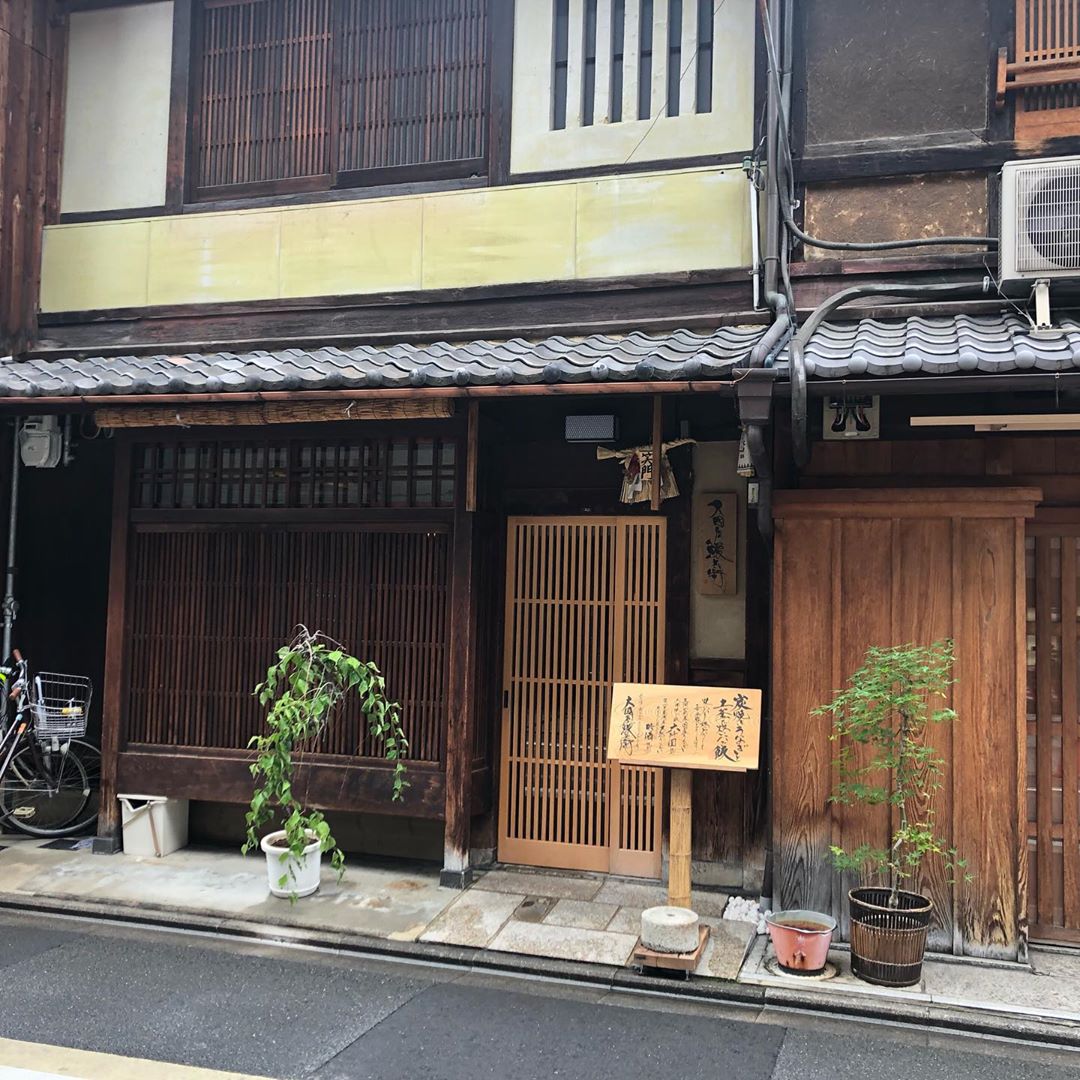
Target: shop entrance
585, 607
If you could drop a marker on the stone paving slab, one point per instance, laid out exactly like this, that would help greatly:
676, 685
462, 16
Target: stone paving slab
581, 914
643, 895
379, 901
564, 943
540, 884
473, 919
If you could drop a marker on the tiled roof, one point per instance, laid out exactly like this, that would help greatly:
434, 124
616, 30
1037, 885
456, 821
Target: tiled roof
679, 355
940, 346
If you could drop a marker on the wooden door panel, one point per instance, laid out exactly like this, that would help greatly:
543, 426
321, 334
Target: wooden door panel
584, 609
1052, 562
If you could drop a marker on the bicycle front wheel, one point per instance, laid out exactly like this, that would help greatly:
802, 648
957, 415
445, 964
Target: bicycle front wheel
44, 796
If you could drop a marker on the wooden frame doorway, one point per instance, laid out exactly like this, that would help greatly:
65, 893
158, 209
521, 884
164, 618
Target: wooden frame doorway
585, 607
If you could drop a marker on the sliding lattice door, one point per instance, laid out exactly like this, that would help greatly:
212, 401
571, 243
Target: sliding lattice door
585, 605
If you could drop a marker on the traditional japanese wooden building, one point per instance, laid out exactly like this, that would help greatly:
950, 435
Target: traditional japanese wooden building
338, 299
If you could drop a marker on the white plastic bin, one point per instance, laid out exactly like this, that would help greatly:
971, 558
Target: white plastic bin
153, 824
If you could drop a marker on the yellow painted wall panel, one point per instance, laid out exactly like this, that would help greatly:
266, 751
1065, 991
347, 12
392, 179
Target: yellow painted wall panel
655, 224
647, 223
344, 248
206, 258
498, 236
87, 267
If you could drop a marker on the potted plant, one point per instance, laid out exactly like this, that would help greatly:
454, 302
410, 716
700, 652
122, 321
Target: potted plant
880, 722
302, 690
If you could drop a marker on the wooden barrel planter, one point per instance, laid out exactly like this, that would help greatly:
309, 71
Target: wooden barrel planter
888, 942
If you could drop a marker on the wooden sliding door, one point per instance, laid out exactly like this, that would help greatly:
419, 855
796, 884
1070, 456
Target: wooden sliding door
1053, 725
585, 605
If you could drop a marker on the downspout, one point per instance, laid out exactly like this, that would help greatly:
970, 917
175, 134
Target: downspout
11, 607
797, 354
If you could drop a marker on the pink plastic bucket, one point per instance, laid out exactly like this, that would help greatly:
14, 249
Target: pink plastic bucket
801, 940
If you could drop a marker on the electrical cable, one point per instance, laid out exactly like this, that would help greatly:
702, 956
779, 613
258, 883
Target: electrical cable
786, 204
796, 353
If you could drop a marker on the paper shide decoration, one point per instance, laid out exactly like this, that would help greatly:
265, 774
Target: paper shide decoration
637, 464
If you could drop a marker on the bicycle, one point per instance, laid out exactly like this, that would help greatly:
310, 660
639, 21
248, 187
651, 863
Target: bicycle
46, 788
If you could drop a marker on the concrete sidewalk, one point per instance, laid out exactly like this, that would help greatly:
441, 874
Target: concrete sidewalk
570, 926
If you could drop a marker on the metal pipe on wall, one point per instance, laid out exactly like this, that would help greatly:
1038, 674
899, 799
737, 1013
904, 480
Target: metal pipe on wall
11, 606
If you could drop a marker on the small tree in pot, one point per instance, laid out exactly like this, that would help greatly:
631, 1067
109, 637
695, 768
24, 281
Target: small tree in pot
303, 690
880, 722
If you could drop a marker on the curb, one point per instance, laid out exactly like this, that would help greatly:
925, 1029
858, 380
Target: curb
1000, 1024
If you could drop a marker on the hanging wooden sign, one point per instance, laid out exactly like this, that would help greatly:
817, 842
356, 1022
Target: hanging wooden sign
716, 550
685, 727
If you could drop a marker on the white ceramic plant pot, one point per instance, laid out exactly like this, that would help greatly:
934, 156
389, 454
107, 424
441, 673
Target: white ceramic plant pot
301, 874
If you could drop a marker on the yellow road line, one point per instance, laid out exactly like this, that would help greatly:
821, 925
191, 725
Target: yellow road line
41, 1060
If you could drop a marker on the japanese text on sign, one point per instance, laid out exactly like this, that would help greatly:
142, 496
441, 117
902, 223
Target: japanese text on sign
686, 727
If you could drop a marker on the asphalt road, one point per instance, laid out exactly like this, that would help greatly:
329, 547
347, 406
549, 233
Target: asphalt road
285, 1013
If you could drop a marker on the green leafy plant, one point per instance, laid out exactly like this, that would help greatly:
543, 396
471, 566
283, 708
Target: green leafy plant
887, 708
302, 691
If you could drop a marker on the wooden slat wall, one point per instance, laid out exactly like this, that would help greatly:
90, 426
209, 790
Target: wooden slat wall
27, 43
413, 82
1047, 30
265, 90
854, 568
210, 606
1053, 730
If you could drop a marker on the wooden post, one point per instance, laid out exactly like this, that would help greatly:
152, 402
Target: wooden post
657, 447
682, 786
461, 695
108, 835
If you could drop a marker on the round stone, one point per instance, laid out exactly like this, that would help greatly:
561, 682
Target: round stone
669, 929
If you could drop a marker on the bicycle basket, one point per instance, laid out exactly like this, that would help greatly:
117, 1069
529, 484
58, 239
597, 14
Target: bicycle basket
61, 705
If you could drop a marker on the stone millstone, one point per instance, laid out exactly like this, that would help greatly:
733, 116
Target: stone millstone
669, 929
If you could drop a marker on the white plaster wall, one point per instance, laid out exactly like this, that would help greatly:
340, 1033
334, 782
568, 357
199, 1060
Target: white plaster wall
717, 626
536, 147
116, 123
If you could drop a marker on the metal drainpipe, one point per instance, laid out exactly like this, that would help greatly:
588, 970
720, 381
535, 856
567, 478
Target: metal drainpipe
11, 607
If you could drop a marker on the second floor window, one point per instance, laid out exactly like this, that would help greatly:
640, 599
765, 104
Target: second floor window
303, 94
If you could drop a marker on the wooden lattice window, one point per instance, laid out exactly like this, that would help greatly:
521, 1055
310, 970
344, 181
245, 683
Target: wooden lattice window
304, 94
413, 473
1044, 74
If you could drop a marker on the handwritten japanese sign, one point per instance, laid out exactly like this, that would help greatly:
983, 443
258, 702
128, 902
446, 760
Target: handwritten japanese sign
717, 540
685, 727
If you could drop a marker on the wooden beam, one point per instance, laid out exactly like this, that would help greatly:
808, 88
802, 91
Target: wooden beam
657, 449
461, 702
472, 455
249, 415
411, 394
323, 783
108, 835
179, 106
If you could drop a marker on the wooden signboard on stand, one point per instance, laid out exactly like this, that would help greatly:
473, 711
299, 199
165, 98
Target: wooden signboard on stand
684, 728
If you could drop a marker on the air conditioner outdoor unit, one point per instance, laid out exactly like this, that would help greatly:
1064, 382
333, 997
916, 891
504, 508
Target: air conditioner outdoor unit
1040, 221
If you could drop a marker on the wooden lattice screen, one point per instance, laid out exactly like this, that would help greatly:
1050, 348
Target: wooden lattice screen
324, 90
585, 608
210, 606
1045, 71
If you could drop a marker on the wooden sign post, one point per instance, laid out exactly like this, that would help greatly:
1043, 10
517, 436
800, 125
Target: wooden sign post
683, 728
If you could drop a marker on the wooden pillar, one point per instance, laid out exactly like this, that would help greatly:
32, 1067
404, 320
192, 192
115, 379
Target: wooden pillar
682, 786
461, 696
108, 837
657, 448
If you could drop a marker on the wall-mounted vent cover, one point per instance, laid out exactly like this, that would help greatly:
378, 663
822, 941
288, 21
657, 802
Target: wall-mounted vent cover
592, 429
1040, 219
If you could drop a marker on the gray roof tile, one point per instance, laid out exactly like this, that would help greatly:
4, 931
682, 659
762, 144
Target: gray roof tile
682, 354
947, 345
